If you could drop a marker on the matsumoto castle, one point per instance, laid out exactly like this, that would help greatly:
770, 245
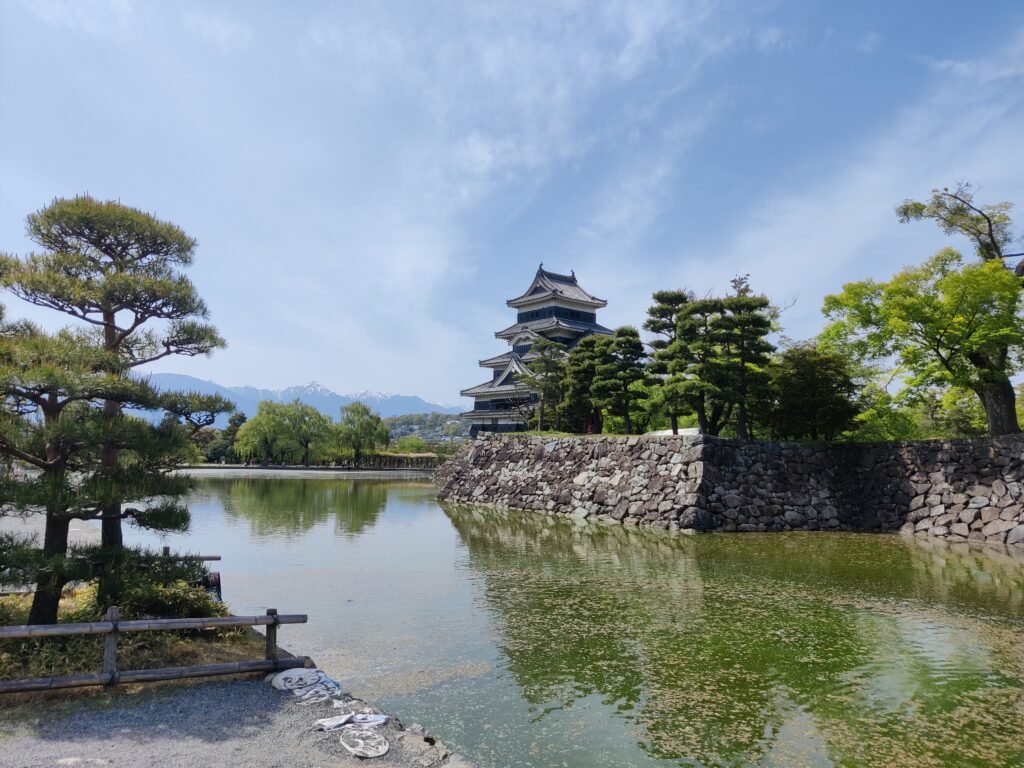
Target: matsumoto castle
554, 307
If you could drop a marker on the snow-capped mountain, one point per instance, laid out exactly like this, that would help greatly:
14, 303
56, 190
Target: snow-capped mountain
328, 402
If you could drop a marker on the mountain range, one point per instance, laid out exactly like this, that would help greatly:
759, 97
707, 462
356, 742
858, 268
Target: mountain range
328, 402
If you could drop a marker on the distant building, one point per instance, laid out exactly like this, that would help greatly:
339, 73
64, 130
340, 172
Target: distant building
554, 307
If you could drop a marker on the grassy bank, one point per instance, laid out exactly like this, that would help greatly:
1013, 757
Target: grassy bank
58, 656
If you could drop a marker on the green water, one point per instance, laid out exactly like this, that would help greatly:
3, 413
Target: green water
527, 641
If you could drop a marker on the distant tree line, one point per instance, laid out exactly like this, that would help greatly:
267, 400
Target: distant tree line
299, 434
928, 353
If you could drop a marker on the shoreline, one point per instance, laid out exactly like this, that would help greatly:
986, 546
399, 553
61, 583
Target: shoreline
219, 471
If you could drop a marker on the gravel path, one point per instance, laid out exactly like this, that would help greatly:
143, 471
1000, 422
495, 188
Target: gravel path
232, 724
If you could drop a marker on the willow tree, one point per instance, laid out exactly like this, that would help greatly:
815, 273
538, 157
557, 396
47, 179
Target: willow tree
119, 270
361, 430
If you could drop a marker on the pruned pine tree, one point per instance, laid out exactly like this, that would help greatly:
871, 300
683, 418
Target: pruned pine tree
117, 269
51, 386
718, 359
696, 374
619, 367
579, 412
746, 323
662, 318
547, 364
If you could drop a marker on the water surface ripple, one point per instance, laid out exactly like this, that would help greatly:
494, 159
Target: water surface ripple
529, 641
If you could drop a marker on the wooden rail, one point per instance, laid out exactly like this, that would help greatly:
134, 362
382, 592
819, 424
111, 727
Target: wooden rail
112, 627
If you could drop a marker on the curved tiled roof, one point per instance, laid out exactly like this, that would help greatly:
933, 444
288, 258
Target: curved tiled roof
551, 285
548, 324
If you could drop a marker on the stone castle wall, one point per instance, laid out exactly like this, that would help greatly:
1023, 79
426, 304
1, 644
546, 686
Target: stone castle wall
960, 490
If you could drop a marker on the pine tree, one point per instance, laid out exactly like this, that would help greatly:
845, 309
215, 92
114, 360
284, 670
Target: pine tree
619, 367
717, 360
746, 352
662, 319
579, 413
117, 269
547, 364
50, 383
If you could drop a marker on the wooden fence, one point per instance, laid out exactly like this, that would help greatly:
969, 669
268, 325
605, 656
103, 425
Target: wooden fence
112, 627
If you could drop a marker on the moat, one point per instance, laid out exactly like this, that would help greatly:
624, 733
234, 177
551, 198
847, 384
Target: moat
528, 641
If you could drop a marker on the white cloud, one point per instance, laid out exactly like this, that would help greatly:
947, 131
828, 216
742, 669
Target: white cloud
805, 243
91, 17
869, 43
773, 38
229, 35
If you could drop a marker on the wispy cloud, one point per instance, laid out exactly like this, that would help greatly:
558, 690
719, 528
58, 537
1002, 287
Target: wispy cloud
91, 17
801, 244
772, 38
227, 34
869, 43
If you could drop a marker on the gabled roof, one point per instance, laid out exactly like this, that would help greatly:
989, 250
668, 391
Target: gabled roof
500, 361
548, 325
551, 285
500, 385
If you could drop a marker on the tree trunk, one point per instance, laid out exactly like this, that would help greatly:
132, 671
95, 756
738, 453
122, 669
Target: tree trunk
628, 422
540, 414
702, 418
999, 402
51, 580
741, 422
675, 423
112, 535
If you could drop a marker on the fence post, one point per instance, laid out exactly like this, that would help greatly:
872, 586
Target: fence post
272, 635
110, 646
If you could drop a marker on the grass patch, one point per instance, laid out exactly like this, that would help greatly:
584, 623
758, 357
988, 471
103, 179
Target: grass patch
59, 656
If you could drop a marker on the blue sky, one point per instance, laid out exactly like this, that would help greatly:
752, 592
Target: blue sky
368, 182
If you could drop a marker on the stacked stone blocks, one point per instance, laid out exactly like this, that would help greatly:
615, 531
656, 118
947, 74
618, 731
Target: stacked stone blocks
961, 490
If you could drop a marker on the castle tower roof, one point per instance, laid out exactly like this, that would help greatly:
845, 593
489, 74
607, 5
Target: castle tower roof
547, 286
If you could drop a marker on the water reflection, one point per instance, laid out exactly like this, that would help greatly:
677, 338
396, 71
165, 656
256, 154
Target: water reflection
277, 507
801, 649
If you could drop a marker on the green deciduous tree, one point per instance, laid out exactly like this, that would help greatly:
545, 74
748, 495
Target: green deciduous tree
266, 435
882, 417
989, 227
361, 430
411, 444
947, 323
307, 428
